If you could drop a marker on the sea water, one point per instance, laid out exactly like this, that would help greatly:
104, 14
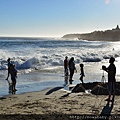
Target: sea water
39, 62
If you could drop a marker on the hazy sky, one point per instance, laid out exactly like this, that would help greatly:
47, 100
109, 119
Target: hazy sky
48, 18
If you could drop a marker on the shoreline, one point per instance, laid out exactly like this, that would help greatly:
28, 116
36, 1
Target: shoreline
42, 79
33, 81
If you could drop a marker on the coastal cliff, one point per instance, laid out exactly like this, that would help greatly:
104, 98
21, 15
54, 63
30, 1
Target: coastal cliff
108, 35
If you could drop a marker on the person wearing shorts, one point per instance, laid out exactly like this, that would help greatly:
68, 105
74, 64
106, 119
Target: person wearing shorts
111, 70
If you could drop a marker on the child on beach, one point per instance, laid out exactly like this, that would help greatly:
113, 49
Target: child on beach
111, 70
13, 73
82, 72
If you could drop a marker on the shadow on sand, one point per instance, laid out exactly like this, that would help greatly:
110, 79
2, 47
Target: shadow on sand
107, 109
53, 90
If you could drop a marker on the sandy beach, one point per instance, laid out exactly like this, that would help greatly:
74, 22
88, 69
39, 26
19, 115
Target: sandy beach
53, 102
57, 104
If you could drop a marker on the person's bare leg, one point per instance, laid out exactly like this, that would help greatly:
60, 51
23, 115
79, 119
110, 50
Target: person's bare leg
108, 99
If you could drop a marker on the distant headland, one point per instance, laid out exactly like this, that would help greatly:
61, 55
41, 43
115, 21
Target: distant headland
107, 35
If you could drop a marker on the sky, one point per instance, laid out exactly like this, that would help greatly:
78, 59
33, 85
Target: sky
55, 18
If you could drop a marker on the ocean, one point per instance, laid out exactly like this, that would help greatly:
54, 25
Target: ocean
39, 62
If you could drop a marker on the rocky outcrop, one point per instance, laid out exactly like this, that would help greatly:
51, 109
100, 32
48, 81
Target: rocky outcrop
108, 35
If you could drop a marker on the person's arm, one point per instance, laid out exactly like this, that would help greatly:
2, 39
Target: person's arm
15, 73
104, 68
8, 73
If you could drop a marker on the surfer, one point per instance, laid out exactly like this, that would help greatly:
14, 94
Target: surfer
111, 70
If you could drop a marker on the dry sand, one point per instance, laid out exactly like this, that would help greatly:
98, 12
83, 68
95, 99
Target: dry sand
57, 104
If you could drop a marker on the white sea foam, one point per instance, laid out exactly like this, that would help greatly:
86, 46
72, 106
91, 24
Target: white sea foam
48, 54
39, 54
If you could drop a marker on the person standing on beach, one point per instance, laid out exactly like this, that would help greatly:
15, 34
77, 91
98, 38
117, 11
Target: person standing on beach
13, 73
66, 66
82, 72
8, 60
72, 68
111, 70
